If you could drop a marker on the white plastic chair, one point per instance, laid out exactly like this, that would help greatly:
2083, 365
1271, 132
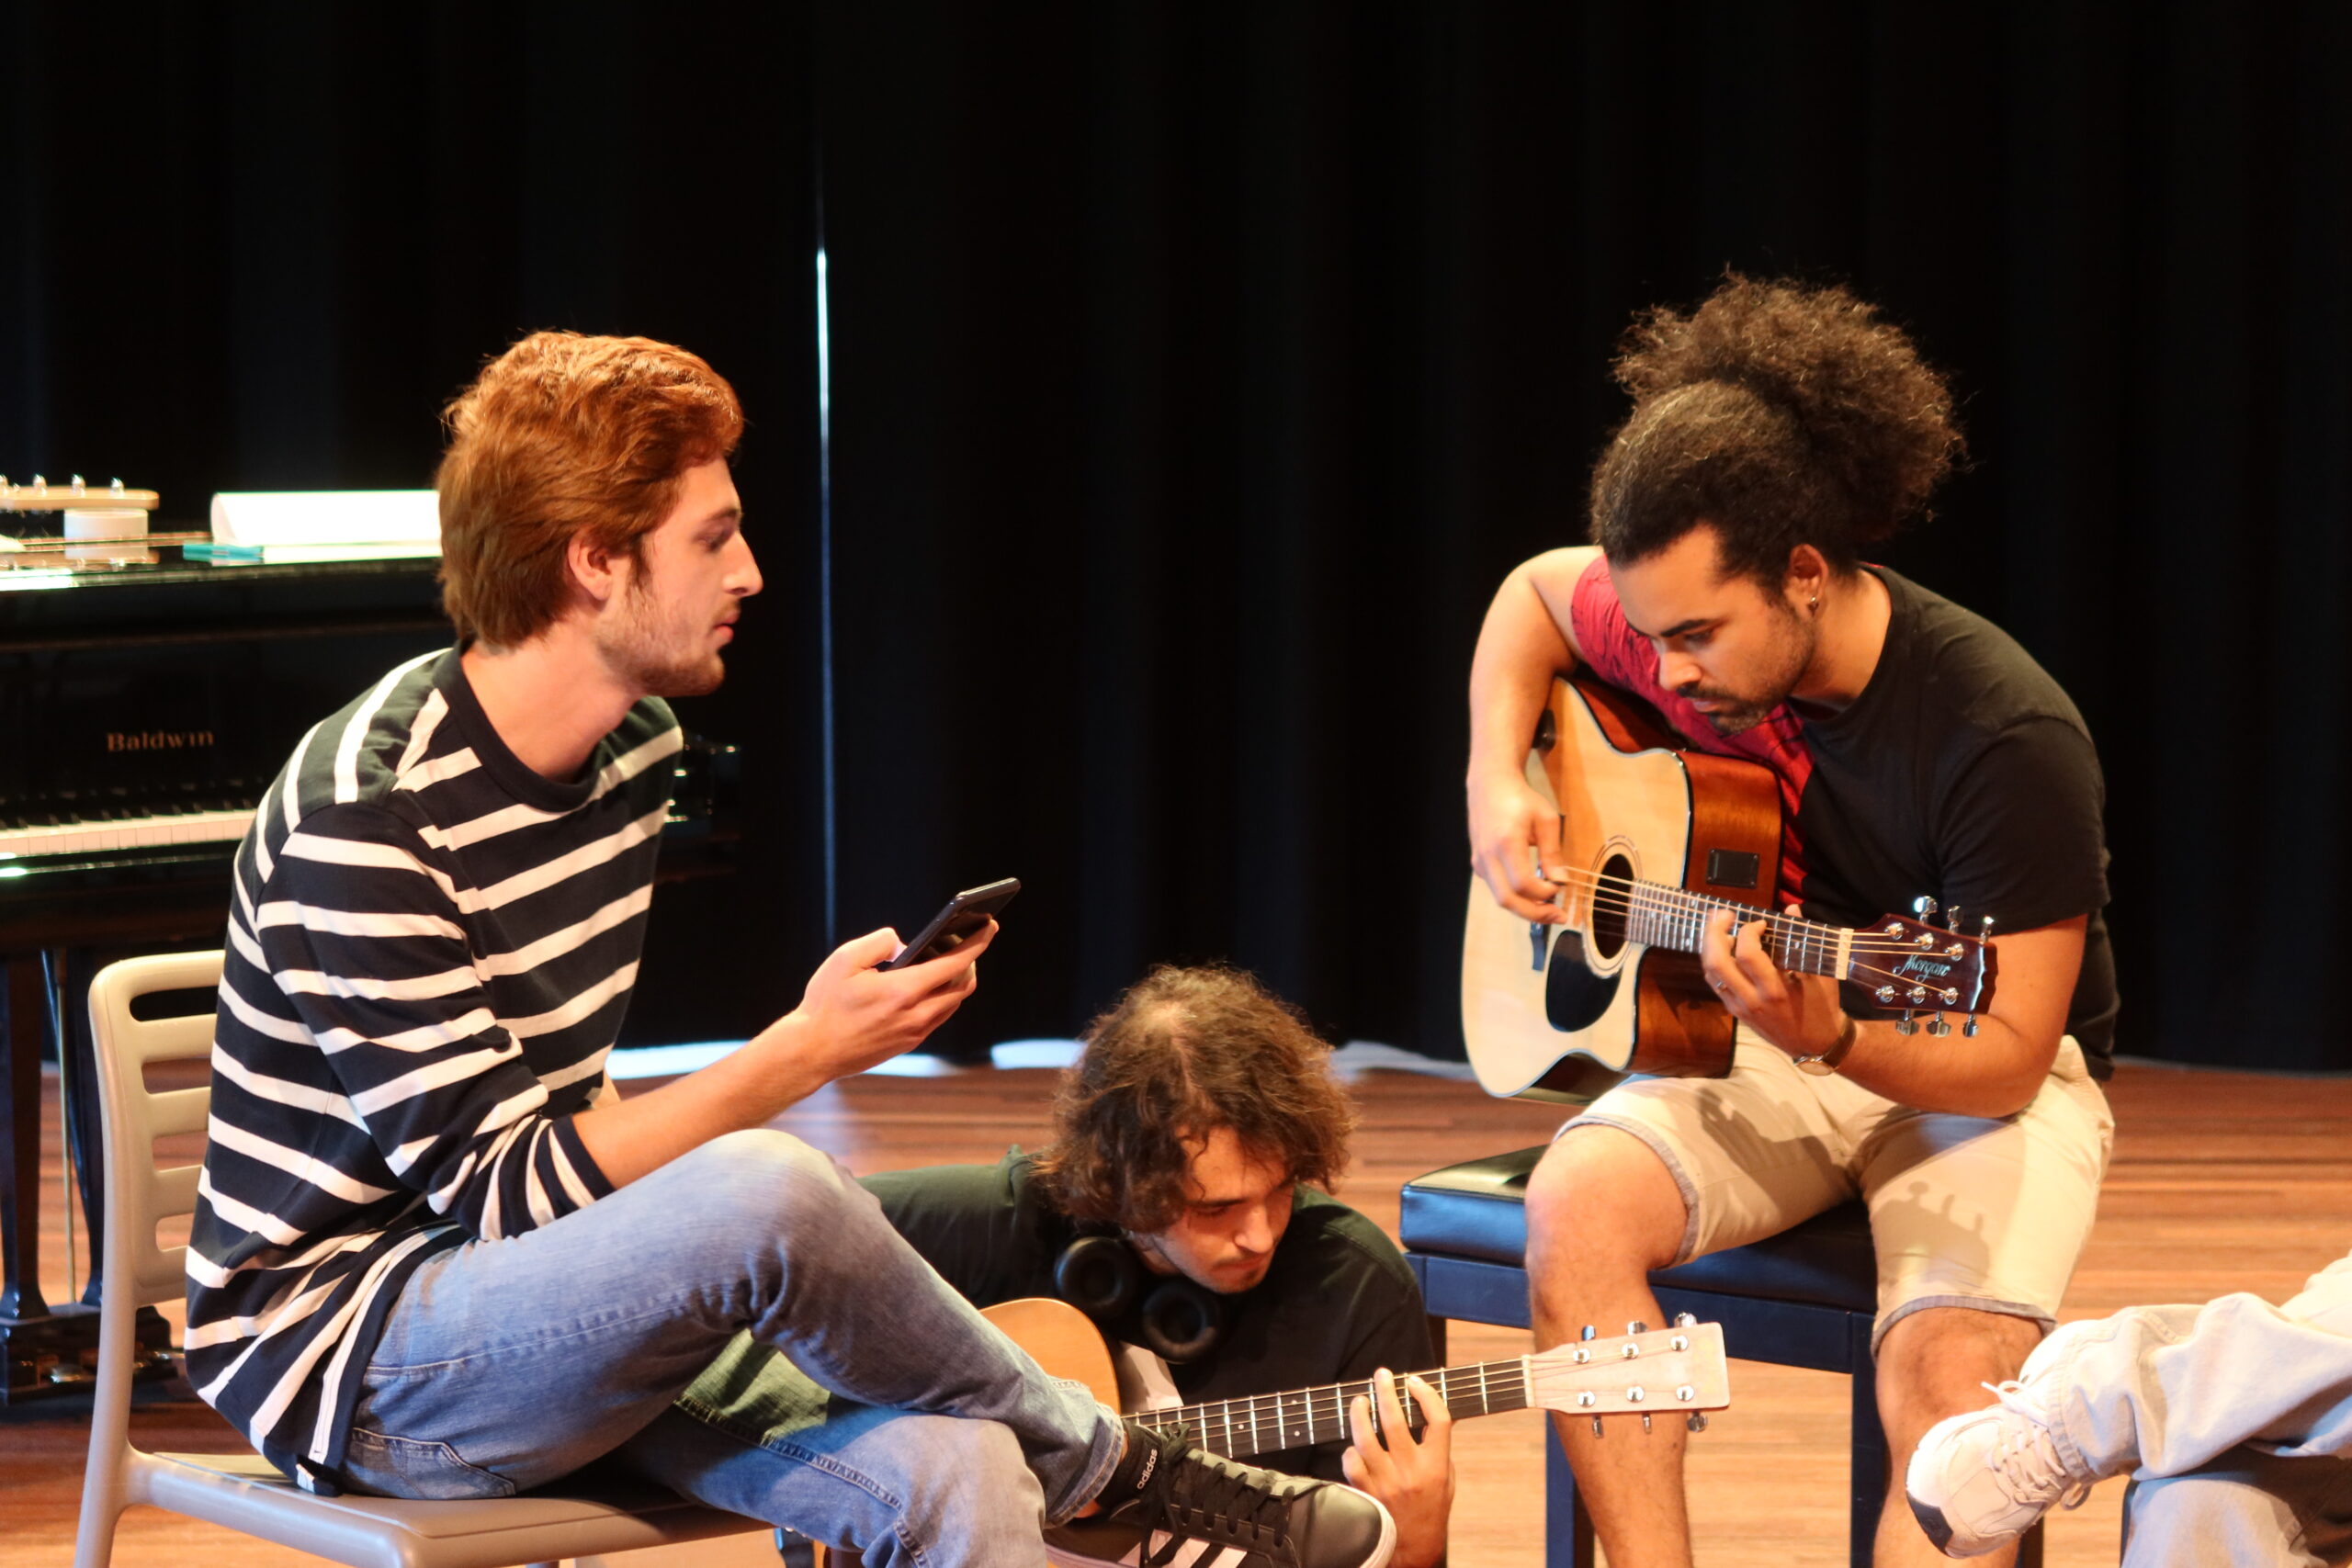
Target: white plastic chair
244, 1491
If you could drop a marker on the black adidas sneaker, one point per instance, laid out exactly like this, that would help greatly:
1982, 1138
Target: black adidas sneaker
1170, 1505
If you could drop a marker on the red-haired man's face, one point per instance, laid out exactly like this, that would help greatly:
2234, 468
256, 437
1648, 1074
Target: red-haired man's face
664, 631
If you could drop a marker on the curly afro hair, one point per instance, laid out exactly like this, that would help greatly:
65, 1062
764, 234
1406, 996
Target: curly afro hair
1781, 416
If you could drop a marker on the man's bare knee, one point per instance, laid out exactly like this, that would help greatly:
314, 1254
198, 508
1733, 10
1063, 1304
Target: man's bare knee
1934, 1362
1602, 1201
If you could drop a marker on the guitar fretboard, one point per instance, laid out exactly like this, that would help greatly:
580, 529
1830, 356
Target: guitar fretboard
1270, 1423
1676, 918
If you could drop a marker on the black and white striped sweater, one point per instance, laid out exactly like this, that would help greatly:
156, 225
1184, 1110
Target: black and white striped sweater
429, 953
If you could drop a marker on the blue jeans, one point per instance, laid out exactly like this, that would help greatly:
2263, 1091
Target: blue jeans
2234, 1419
507, 1364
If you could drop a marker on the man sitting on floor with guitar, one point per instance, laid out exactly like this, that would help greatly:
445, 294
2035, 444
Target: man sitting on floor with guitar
1176, 1205
1776, 434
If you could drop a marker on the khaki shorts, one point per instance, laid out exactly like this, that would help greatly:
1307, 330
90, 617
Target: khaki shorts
1965, 1211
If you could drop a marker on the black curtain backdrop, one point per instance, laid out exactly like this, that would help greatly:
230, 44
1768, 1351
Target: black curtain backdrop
258, 247
1200, 371
1197, 371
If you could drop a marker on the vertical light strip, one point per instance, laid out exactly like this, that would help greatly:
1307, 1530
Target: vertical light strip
825, 583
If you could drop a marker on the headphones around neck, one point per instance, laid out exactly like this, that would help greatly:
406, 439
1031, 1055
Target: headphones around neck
1170, 1316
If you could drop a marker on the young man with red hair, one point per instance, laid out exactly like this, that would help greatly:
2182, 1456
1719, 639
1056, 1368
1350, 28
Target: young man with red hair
428, 1259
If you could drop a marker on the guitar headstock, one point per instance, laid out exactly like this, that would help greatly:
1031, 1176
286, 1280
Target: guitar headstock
1903, 964
1663, 1371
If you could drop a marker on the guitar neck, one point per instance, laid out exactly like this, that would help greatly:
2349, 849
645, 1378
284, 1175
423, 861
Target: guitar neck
1270, 1423
1676, 918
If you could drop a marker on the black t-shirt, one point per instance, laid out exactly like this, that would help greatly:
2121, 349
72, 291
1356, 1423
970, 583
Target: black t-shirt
1961, 771
1337, 1304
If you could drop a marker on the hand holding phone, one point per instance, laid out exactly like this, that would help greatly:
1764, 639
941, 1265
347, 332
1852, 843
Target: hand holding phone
956, 922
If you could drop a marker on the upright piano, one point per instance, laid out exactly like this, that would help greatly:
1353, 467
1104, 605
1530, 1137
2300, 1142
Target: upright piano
145, 705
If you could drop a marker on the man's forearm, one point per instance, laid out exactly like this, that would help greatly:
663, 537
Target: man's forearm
1995, 1073
635, 1137
1520, 651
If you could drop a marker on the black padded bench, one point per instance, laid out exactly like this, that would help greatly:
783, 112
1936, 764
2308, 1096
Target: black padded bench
1805, 1298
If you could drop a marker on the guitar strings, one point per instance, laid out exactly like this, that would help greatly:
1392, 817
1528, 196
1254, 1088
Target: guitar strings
1626, 895
1654, 898
1460, 1387
1511, 1381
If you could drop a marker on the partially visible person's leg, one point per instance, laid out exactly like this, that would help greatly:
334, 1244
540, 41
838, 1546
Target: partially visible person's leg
2235, 1415
1978, 1223
784, 1444
2163, 1391
2249, 1509
1656, 1171
1930, 1364
1601, 1213
507, 1364
901, 1489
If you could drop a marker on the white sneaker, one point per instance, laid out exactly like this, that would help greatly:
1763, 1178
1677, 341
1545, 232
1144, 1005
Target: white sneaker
1980, 1479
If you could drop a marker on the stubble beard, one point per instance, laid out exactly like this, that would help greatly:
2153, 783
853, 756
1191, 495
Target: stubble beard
640, 652
1794, 650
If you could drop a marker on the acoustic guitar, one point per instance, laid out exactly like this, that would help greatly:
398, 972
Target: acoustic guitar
1674, 1372
1655, 837
1677, 1372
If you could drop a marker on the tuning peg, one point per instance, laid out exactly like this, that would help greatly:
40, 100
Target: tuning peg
1951, 919
1638, 1328
1586, 1332
1696, 1421
1635, 1397
1984, 929
1686, 1320
1969, 1029
1924, 907
1938, 1027
1903, 1025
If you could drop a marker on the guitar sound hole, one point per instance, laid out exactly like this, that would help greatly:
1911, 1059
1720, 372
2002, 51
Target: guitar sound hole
1609, 902
1574, 996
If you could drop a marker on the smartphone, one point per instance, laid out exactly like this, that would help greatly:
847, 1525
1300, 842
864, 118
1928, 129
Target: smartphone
963, 915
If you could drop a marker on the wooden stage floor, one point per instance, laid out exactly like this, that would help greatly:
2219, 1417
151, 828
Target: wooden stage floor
2222, 1182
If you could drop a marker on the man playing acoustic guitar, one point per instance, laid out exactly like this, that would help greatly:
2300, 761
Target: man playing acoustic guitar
1177, 1204
1776, 434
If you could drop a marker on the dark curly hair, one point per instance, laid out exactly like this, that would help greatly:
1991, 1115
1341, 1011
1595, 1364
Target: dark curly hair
1186, 1051
1781, 414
